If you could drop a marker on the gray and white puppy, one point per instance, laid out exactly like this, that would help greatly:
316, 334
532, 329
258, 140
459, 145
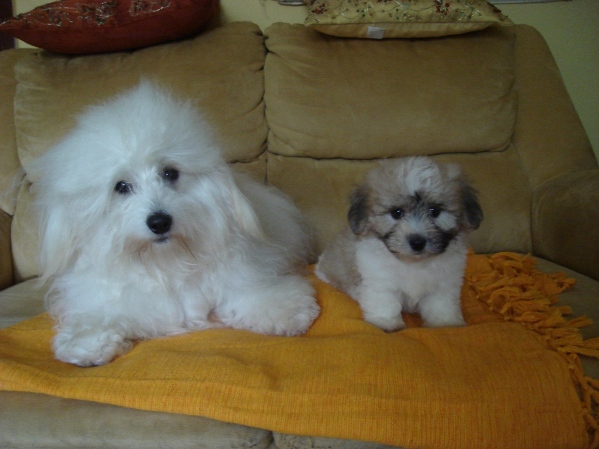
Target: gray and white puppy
405, 246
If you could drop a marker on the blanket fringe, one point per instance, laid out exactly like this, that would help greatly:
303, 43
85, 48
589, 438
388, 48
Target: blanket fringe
518, 292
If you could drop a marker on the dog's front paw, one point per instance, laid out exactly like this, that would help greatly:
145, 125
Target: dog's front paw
296, 317
293, 315
285, 307
89, 347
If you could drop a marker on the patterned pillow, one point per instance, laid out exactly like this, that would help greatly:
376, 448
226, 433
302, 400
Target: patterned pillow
380, 19
97, 26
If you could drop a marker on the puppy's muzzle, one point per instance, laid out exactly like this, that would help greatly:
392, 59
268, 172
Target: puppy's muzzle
159, 223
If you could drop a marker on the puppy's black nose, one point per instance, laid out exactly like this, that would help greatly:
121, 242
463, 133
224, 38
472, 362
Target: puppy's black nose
159, 223
417, 242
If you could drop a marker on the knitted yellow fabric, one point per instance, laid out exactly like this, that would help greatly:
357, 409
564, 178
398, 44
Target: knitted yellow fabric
511, 379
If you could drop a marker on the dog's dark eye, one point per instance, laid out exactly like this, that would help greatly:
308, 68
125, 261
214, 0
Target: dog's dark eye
434, 211
122, 188
396, 213
170, 174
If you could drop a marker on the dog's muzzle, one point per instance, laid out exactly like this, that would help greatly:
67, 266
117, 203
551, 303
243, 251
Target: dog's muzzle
159, 223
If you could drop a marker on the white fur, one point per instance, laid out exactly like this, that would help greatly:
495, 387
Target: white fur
411, 261
231, 256
430, 287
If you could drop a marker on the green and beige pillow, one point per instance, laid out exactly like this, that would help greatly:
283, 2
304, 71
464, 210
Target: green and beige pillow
380, 19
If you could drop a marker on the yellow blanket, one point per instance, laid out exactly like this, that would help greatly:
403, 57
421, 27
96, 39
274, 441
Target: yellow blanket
508, 380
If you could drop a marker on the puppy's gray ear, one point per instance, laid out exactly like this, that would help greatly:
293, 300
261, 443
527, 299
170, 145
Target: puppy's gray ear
358, 210
473, 213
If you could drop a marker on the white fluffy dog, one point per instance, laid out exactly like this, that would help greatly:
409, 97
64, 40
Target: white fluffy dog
146, 232
405, 248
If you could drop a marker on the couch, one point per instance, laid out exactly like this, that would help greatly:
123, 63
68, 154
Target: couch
310, 113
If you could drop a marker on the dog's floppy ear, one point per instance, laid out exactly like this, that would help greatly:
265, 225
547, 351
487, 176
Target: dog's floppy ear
244, 213
473, 213
246, 217
358, 210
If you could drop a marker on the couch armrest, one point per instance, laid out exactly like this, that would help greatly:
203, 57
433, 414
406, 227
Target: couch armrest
6, 266
565, 221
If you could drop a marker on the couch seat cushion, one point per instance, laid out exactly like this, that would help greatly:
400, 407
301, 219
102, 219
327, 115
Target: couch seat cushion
37, 420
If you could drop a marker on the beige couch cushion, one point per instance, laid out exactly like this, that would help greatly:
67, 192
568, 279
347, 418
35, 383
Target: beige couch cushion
9, 162
21, 301
385, 99
221, 70
35, 420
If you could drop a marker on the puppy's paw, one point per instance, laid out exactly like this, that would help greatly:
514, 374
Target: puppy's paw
89, 347
453, 321
386, 323
441, 311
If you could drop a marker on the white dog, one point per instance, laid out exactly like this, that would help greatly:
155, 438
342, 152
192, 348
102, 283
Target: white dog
405, 248
146, 232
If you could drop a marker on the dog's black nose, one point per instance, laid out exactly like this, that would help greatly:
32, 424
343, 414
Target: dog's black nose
159, 223
417, 242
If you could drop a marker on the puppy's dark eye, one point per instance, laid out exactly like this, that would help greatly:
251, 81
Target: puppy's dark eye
396, 213
123, 187
434, 211
170, 174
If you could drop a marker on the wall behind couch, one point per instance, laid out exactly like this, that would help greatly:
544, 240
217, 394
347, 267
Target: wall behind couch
571, 29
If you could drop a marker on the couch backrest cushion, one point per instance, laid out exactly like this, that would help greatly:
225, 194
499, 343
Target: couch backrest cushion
9, 161
329, 97
337, 106
221, 70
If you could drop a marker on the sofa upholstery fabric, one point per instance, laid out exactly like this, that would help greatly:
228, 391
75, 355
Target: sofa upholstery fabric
375, 101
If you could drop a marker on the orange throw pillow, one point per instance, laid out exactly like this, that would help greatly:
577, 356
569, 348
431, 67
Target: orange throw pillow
98, 26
